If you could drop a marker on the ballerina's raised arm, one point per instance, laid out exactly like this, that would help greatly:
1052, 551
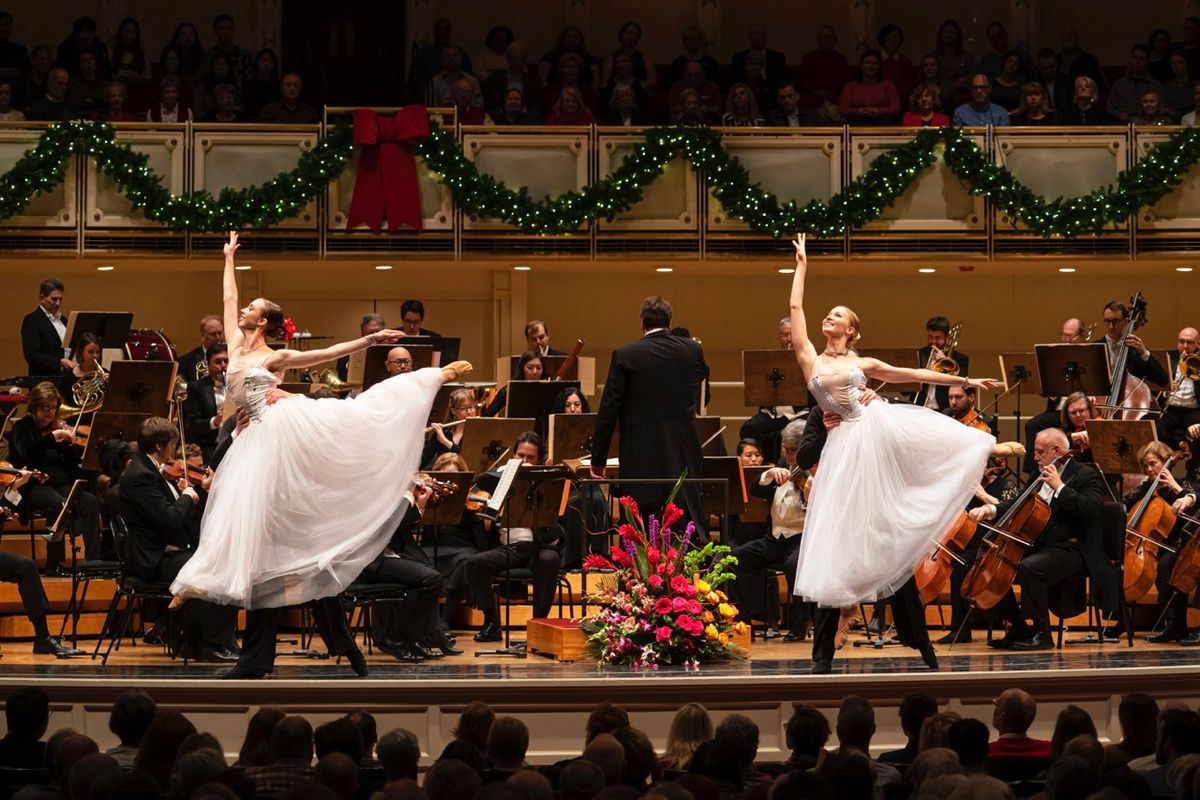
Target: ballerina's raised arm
806, 354
234, 337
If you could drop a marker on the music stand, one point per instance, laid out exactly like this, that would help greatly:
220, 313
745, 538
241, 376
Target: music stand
110, 327
447, 347
896, 357
1064, 369
570, 437
107, 425
707, 429
1115, 443
757, 509
533, 399
714, 499
141, 387
375, 366
1019, 371
537, 498
772, 378
485, 440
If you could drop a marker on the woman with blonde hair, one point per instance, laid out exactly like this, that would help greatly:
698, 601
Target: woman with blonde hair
691, 727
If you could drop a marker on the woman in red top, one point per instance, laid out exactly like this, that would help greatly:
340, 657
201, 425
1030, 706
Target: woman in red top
923, 106
570, 110
869, 100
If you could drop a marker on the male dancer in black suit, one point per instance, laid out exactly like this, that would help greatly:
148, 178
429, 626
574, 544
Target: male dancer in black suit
651, 391
907, 611
42, 332
203, 409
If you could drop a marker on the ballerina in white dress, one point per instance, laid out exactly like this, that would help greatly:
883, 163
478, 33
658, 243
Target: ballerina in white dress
892, 476
310, 491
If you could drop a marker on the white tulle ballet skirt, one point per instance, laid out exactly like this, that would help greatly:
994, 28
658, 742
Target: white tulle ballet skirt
309, 492
891, 478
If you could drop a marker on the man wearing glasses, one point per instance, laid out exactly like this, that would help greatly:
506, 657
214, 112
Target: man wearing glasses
1141, 364
399, 361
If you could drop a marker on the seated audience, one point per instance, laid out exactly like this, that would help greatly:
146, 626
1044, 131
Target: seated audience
741, 108
517, 74
1013, 755
1178, 94
571, 72
131, 715
623, 109
1084, 108
1059, 87
1125, 99
855, 728
465, 109
85, 93
787, 112
225, 105
1151, 112
513, 110
262, 87
441, 87
924, 109
629, 35
695, 78
291, 754
26, 716
1032, 110
399, 753
695, 51
569, 109
1178, 736
492, 58
915, 708
969, 739
507, 742
869, 100
623, 75
825, 69
690, 111
690, 728
1006, 84
1137, 715
52, 106
256, 746
169, 107
570, 40
897, 67
980, 112
290, 109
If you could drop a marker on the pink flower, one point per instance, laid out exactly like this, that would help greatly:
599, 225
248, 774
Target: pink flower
680, 584
679, 603
652, 555
596, 561
655, 581
663, 634
672, 553
671, 514
627, 531
694, 608
664, 606
661, 569
621, 557
630, 504
684, 622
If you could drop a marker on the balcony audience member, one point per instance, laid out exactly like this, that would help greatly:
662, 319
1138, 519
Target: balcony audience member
14, 57
570, 110
1032, 109
929, 73
290, 109
493, 56
1178, 736
980, 112
7, 112
26, 714
186, 42
1076, 61
53, 105
513, 111
83, 39
628, 37
695, 51
33, 87
955, 64
1178, 97
262, 87
1190, 117
225, 96
915, 708
695, 78
1151, 112
129, 63
992, 62
131, 714
1159, 63
225, 29
572, 70
115, 98
219, 70
787, 112
1006, 85
570, 40
897, 67
169, 107
1190, 45
767, 67
760, 83
623, 75
689, 110
441, 87
825, 69
924, 109
869, 100
463, 100
741, 108
623, 108
1085, 107
1125, 101
517, 74
172, 66
427, 61
1137, 714
86, 90
1059, 87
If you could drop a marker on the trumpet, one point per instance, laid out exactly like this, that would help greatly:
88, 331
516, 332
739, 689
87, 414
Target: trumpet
946, 363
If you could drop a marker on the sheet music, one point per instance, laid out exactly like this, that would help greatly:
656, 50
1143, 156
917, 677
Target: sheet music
507, 475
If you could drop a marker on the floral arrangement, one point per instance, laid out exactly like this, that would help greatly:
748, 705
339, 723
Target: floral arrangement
661, 604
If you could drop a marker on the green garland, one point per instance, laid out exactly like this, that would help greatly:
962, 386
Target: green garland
863, 200
284, 196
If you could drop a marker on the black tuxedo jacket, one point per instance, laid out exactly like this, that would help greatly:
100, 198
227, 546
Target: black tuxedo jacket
29, 448
1148, 369
942, 393
198, 411
39, 340
188, 362
154, 516
651, 392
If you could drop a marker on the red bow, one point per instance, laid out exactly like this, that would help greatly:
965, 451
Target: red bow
386, 183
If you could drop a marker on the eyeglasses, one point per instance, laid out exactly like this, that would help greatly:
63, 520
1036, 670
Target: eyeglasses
399, 361
1111, 321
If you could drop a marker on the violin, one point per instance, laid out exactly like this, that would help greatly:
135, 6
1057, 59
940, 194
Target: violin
477, 499
991, 576
438, 489
932, 572
1146, 529
9, 474
996, 465
177, 469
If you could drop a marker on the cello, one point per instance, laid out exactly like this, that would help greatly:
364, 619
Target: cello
991, 576
1147, 527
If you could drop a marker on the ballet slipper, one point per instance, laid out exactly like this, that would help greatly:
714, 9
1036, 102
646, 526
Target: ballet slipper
847, 619
176, 601
456, 370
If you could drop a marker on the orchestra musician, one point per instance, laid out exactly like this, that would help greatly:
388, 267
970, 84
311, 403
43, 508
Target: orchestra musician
1180, 420
1143, 365
1077, 409
570, 401
450, 546
749, 455
398, 361
765, 426
516, 547
529, 368
1073, 332
412, 318
43, 331
212, 330
87, 365
785, 333
204, 408
461, 406
961, 402
937, 334
368, 325
1181, 496
1069, 545
42, 441
537, 339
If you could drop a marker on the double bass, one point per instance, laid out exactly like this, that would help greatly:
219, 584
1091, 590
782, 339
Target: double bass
1147, 527
991, 576
1129, 398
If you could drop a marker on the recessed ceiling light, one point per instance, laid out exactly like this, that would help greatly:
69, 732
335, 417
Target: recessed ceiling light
383, 266
926, 270
242, 267
522, 268
105, 268
1066, 269
786, 270
664, 269
1183, 269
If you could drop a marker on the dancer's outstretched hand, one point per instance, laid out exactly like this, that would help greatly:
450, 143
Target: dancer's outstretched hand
456, 370
231, 246
386, 336
801, 253
984, 383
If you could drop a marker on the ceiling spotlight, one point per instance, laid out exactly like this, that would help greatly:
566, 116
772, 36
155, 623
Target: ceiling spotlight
786, 270
522, 268
1066, 269
926, 270
383, 266
242, 267
105, 268
1183, 269
664, 269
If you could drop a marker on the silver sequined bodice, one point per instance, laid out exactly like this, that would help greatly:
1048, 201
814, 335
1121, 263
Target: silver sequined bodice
249, 388
837, 397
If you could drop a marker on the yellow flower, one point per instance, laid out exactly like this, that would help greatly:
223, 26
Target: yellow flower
722, 596
711, 632
726, 638
727, 610
741, 627
702, 587
707, 616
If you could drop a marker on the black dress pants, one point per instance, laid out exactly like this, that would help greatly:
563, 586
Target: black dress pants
749, 587
48, 500
204, 623
483, 567
24, 573
907, 612
417, 616
1037, 573
262, 625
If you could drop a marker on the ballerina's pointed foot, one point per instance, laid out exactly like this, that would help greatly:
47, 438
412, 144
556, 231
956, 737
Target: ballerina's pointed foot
456, 370
176, 601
